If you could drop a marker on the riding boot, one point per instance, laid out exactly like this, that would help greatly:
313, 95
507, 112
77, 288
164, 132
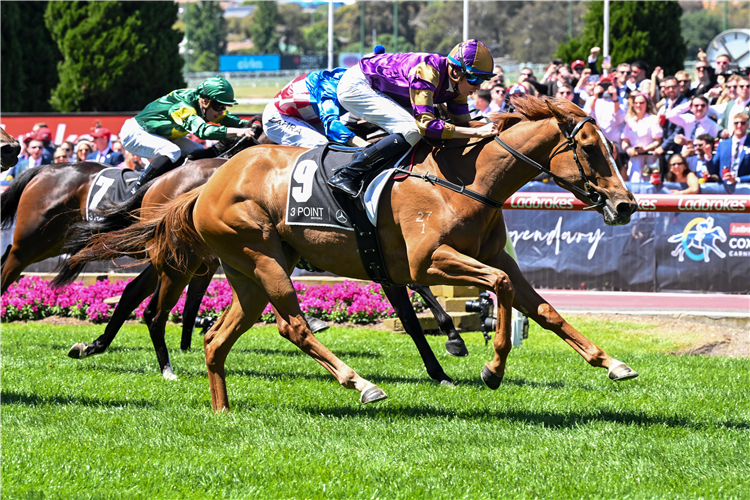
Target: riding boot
349, 177
159, 165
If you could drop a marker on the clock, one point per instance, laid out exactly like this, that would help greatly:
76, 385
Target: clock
735, 43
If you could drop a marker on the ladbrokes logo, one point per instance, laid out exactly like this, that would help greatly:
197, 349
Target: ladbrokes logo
698, 240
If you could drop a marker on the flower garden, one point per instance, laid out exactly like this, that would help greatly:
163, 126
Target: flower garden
31, 298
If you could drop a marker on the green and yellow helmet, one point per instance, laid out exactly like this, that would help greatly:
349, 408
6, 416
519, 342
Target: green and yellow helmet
473, 59
218, 89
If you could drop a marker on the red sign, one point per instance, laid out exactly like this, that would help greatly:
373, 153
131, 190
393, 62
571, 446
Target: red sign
739, 229
704, 203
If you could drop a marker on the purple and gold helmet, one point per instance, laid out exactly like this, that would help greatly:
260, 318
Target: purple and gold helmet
473, 59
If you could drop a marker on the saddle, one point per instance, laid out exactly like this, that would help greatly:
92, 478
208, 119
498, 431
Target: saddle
310, 202
111, 187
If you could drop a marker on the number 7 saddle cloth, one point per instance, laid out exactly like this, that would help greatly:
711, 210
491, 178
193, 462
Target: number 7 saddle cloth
110, 187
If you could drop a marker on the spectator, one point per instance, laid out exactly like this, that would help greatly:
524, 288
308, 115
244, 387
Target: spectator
132, 162
577, 67
526, 74
608, 113
673, 98
565, 91
723, 62
732, 159
117, 147
69, 149
641, 135
704, 150
481, 100
740, 105
499, 103
44, 134
83, 149
728, 94
35, 158
638, 81
60, 156
683, 82
622, 74
694, 124
104, 153
681, 173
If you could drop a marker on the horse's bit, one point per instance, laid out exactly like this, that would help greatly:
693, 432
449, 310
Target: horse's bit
592, 195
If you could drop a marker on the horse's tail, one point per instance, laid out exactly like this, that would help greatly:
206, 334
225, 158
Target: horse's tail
12, 196
167, 235
112, 219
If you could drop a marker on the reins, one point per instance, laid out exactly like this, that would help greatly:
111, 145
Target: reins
592, 195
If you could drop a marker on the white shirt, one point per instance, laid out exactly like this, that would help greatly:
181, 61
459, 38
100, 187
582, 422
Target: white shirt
610, 122
737, 106
693, 128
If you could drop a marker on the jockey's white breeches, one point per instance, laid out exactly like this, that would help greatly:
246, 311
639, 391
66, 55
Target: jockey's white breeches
360, 99
291, 131
141, 143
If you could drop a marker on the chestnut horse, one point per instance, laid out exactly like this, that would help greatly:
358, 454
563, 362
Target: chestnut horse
169, 282
9, 150
239, 215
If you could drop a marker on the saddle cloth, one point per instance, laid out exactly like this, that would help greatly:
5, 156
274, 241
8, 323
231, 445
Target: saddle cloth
110, 188
310, 202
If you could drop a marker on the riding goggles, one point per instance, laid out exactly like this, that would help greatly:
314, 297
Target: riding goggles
474, 80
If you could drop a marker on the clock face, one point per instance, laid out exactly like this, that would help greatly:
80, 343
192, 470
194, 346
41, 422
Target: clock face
735, 43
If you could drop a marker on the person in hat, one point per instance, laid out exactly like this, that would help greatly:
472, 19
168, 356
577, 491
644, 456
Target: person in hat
399, 91
44, 134
104, 153
159, 131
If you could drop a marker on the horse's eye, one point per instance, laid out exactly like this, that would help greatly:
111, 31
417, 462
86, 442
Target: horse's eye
589, 149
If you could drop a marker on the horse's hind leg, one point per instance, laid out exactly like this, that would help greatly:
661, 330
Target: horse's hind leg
530, 302
196, 291
135, 292
455, 344
399, 299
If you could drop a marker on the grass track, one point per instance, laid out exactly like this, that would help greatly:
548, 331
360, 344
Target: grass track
111, 427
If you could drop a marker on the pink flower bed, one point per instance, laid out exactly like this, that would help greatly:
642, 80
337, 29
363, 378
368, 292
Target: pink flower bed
31, 298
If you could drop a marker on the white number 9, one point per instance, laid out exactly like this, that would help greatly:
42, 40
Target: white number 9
304, 174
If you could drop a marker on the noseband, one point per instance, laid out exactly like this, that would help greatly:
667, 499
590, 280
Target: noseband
594, 197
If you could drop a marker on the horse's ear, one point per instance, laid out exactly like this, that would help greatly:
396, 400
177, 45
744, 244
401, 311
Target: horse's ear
559, 116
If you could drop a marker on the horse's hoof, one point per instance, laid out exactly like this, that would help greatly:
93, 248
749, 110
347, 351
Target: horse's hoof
456, 348
168, 374
372, 394
78, 351
316, 325
448, 383
490, 379
621, 371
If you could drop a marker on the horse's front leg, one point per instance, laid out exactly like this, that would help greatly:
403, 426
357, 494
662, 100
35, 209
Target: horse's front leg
452, 267
455, 345
527, 300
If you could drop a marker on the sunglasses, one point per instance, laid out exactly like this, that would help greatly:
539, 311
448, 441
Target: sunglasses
743, 86
699, 144
33, 147
676, 164
60, 157
84, 150
683, 81
623, 72
700, 68
217, 107
731, 86
699, 106
567, 92
739, 124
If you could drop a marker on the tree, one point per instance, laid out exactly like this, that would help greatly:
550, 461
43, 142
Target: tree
207, 35
118, 56
647, 31
263, 28
698, 29
29, 64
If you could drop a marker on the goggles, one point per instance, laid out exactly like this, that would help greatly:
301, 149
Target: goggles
473, 79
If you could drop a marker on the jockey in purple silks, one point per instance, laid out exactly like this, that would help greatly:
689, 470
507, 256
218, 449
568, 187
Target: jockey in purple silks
398, 92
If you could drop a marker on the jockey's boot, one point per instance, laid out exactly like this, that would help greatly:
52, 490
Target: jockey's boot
159, 165
349, 177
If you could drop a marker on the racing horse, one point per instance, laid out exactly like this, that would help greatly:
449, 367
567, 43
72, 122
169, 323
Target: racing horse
239, 216
9, 150
169, 282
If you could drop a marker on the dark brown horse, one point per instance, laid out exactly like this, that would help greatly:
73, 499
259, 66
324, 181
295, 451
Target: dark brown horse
9, 150
239, 215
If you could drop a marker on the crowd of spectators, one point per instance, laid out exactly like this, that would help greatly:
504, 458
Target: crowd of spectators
100, 146
657, 124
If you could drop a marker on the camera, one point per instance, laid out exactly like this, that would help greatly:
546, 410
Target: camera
483, 306
206, 322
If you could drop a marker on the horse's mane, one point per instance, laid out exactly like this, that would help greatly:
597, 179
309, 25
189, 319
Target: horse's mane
536, 108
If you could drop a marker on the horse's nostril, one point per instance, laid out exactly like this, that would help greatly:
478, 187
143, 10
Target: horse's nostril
625, 209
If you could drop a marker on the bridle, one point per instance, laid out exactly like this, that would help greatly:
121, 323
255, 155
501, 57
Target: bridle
594, 197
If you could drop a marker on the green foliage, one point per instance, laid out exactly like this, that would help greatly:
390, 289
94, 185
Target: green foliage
647, 31
28, 58
118, 56
316, 39
698, 29
207, 33
265, 18
110, 426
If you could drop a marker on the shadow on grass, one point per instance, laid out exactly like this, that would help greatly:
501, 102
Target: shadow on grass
293, 353
12, 398
557, 420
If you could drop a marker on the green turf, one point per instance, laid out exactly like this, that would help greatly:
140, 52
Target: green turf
111, 427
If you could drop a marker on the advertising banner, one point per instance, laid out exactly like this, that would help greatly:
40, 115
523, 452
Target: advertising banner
249, 63
304, 62
561, 246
